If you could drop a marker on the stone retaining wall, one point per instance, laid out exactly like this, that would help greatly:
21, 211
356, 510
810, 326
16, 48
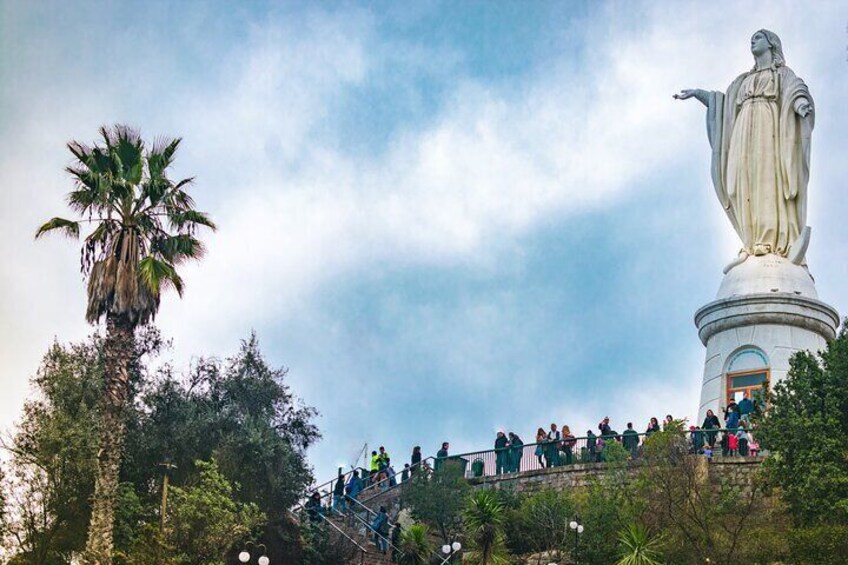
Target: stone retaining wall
722, 472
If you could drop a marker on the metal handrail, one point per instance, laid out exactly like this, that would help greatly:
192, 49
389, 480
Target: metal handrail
331, 483
368, 527
583, 449
423, 464
335, 527
369, 512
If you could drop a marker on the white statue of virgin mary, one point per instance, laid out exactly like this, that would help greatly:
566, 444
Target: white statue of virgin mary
759, 131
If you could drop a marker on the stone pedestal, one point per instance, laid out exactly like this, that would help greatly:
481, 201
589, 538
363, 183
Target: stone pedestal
766, 309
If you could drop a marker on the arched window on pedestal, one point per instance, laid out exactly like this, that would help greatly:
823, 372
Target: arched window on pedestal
747, 372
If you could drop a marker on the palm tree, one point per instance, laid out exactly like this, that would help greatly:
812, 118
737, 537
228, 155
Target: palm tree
638, 547
142, 227
483, 517
415, 545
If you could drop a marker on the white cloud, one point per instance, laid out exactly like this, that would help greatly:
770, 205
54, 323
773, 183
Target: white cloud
299, 213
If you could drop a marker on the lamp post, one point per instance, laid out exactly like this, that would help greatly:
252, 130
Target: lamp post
450, 550
577, 528
244, 556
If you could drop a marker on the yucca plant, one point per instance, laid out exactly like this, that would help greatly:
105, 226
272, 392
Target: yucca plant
141, 226
638, 547
416, 546
483, 517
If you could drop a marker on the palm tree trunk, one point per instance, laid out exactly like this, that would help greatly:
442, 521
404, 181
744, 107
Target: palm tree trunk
118, 352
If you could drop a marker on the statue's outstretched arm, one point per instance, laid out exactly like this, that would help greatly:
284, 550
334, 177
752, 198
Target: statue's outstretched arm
699, 94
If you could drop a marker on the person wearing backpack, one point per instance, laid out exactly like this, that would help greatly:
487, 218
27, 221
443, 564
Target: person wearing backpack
380, 526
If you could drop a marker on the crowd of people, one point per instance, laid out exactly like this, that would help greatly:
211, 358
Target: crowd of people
553, 448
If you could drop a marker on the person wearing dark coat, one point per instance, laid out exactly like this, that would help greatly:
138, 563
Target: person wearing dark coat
711, 422
516, 451
697, 439
552, 447
501, 453
592, 447
731, 422
746, 408
380, 526
415, 462
441, 455
396, 532
653, 427
313, 507
630, 440
339, 494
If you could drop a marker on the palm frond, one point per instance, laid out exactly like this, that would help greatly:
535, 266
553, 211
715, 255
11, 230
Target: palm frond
155, 273
67, 227
176, 249
143, 223
183, 218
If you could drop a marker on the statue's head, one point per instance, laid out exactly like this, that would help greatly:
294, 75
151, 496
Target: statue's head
765, 40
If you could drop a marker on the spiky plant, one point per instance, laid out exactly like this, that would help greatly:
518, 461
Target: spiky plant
415, 545
483, 518
141, 226
638, 547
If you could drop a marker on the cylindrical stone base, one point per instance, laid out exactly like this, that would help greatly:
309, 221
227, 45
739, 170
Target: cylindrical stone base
766, 311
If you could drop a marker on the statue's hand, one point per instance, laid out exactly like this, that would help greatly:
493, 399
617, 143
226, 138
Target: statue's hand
697, 93
804, 109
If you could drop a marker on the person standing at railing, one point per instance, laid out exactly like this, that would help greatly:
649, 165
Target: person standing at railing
552, 447
441, 455
711, 423
541, 438
742, 438
731, 421
605, 428
404, 474
746, 408
375, 467
313, 507
383, 459
415, 460
630, 440
501, 453
339, 494
697, 437
653, 427
354, 486
396, 532
592, 447
516, 452
568, 443
380, 526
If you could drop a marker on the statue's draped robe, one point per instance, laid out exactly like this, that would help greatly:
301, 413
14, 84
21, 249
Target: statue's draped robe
761, 157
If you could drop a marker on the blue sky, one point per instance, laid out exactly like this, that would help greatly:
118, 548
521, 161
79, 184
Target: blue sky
444, 218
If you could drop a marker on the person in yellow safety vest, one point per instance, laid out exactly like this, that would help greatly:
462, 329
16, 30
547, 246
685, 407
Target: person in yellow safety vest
383, 459
375, 465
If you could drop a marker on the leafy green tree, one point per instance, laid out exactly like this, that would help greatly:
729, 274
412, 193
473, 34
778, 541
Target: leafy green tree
483, 517
540, 523
205, 520
437, 499
416, 545
143, 227
806, 433
50, 475
638, 547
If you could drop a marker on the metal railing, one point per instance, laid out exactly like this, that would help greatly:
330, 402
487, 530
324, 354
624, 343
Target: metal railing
545, 454
322, 519
329, 485
354, 511
577, 450
379, 487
